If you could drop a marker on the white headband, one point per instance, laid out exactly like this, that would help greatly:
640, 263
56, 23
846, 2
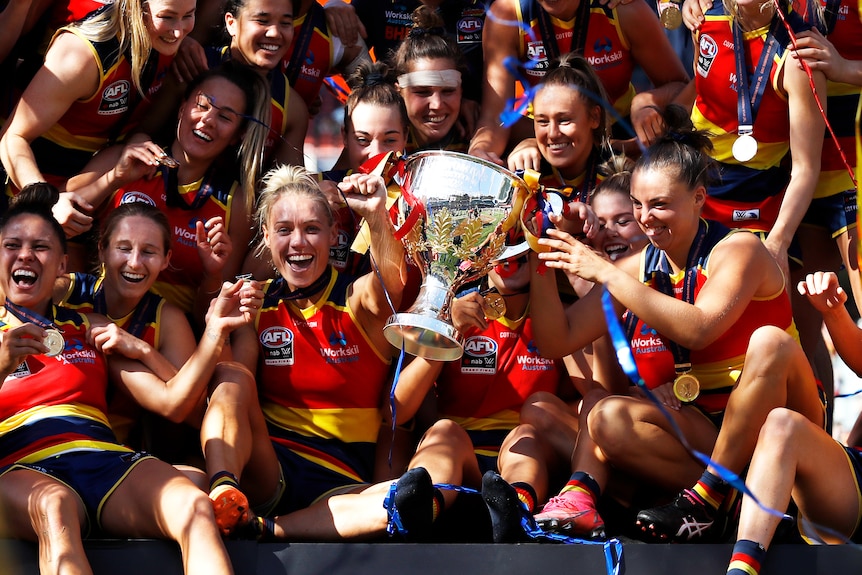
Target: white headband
442, 78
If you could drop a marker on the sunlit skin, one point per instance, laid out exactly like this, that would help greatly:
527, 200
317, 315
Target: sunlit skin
373, 130
207, 127
261, 33
433, 110
133, 259
32, 259
667, 211
564, 123
168, 22
619, 232
299, 235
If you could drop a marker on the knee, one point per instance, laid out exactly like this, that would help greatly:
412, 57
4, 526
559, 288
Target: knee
772, 344
193, 508
538, 410
445, 431
231, 381
609, 424
54, 506
782, 425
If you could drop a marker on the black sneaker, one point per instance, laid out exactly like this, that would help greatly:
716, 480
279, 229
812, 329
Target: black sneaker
687, 519
505, 508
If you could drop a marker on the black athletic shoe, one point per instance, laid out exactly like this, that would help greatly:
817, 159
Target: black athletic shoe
505, 508
686, 519
414, 502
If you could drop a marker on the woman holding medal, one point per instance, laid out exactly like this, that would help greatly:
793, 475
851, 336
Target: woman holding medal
203, 181
290, 428
718, 382
62, 471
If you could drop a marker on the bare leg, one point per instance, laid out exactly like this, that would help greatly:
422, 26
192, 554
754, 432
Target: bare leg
39, 508
776, 374
234, 435
796, 456
447, 453
554, 421
156, 500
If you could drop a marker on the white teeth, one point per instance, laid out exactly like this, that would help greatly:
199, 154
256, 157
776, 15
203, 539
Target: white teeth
202, 136
435, 119
132, 277
558, 146
24, 276
299, 258
270, 47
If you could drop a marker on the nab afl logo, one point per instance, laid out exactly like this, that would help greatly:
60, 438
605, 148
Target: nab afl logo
131, 197
707, 50
470, 24
480, 346
276, 337
115, 98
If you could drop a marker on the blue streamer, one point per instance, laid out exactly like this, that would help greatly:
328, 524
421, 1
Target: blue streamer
626, 360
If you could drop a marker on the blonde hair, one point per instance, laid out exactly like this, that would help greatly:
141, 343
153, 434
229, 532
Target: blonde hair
295, 181
124, 19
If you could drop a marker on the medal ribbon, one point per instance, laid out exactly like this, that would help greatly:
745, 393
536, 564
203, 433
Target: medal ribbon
681, 354
172, 194
283, 293
29, 316
749, 99
579, 31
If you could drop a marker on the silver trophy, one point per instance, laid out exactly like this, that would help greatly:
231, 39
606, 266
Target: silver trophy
454, 213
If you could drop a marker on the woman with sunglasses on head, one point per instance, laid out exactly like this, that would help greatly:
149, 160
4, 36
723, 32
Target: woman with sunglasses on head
89, 93
62, 471
203, 181
717, 382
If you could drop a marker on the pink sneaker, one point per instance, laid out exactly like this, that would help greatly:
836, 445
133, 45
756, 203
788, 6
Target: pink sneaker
572, 513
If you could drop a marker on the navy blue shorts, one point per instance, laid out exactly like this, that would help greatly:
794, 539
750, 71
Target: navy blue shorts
836, 213
486, 446
314, 468
92, 475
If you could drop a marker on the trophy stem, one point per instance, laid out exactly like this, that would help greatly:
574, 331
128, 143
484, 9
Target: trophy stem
424, 329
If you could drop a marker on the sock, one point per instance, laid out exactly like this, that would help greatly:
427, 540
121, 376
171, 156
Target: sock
711, 489
746, 559
223, 478
526, 494
584, 483
438, 504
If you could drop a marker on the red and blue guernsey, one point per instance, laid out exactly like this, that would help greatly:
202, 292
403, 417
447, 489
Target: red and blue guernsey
499, 370
313, 53
54, 405
319, 375
88, 125
718, 365
184, 205
605, 47
85, 296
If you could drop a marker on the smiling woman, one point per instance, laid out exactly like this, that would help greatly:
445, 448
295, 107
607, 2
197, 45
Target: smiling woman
207, 196
60, 463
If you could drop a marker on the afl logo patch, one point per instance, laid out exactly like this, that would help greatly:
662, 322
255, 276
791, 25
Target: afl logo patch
707, 50
115, 98
277, 345
131, 197
480, 355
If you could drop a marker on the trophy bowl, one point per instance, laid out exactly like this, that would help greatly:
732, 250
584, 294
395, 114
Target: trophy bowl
454, 213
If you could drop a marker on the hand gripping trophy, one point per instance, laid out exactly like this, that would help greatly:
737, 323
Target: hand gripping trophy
454, 212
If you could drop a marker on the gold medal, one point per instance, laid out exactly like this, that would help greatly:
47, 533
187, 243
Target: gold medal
165, 160
686, 387
54, 342
494, 305
671, 17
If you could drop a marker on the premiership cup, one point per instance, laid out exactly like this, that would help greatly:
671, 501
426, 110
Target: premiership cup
454, 213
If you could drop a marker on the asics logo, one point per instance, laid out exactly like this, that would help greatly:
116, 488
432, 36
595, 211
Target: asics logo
691, 528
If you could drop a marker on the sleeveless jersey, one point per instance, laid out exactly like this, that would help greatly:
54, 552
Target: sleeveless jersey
180, 281
53, 405
499, 370
313, 52
88, 125
143, 322
319, 375
841, 102
717, 366
606, 48
715, 108
279, 94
